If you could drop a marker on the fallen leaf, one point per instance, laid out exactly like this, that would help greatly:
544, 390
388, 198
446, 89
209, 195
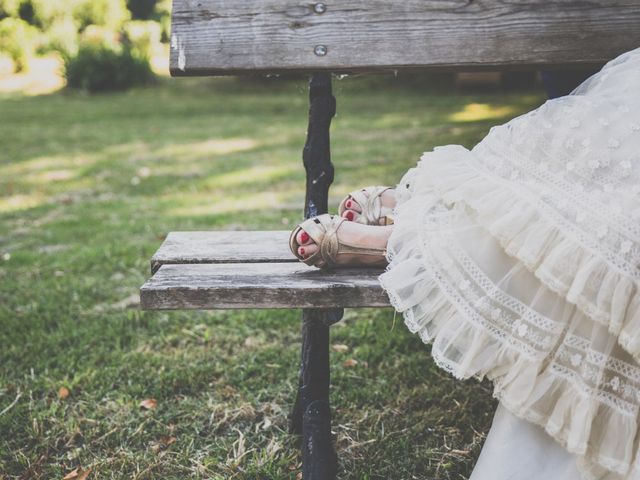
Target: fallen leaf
340, 348
148, 404
71, 475
350, 362
77, 474
163, 443
84, 475
63, 392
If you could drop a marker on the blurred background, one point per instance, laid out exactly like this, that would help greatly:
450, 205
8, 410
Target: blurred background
101, 155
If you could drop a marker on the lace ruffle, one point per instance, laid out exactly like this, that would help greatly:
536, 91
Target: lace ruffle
476, 336
527, 230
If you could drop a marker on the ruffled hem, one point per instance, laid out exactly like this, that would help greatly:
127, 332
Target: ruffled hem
525, 384
526, 232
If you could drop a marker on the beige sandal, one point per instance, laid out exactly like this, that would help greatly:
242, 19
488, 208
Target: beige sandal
323, 231
373, 213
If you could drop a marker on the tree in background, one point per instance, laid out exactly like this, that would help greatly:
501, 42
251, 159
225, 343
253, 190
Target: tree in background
94, 37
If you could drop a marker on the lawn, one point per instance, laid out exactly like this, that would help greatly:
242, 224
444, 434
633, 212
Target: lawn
90, 185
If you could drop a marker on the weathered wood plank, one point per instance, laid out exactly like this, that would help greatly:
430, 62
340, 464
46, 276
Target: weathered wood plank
260, 285
223, 247
222, 37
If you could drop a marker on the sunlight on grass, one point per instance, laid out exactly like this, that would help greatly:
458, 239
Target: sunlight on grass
220, 146
211, 204
37, 166
16, 203
476, 112
52, 176
258, 173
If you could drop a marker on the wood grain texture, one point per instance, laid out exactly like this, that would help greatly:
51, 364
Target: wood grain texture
223, 37
223, 247
260, 285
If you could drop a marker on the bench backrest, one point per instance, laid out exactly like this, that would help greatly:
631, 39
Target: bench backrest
231, 37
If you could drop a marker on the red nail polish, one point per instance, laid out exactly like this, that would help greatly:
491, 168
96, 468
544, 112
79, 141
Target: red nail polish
348, 205
302, 251
304, 237
349, 215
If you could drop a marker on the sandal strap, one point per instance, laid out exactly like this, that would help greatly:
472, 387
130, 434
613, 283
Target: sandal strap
323, 230
370, 201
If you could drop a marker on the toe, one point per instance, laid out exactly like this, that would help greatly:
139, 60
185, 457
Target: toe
303, 238
307, 250
350, 215
351, 204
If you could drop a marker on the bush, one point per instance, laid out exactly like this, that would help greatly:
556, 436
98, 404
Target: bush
17, 40
44, 13
62, 36
156, 10
110, 14
101, 68
142, 36
163, 16
9, 8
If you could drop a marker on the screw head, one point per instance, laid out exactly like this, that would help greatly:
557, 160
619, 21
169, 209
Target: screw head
320, 50
319, 8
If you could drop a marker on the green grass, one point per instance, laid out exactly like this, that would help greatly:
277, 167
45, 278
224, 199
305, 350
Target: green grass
89, 186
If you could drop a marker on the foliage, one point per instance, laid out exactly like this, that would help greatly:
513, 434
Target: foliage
9, 8
62, 24
44, 13
17, 40
100, 68
110, 14
62, 36
142, 36
163, 16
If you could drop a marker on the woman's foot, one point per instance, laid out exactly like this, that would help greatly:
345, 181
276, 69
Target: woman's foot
371, 240
352, 209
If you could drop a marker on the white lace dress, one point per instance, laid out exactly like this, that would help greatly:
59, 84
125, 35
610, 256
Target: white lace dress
519, 261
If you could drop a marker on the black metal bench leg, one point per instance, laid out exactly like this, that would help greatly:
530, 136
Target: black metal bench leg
311, 416
318, 455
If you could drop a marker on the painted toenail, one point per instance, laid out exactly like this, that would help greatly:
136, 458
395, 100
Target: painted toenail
349, 204
302, 251
304, 236
349, 215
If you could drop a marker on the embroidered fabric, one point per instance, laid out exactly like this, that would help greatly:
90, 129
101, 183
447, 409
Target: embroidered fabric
519, 261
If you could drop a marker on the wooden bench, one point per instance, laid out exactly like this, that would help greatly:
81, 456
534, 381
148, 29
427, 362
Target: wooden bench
211, 270
214, 270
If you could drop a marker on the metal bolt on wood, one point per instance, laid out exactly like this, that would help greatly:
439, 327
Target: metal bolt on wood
320, 50
319, 8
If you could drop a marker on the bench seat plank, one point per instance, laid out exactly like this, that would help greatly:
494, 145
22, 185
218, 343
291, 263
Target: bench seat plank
223, 37
260, 285
223, 247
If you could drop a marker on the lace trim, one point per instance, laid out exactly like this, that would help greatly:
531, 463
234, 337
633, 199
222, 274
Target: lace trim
444, 316
530, 231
